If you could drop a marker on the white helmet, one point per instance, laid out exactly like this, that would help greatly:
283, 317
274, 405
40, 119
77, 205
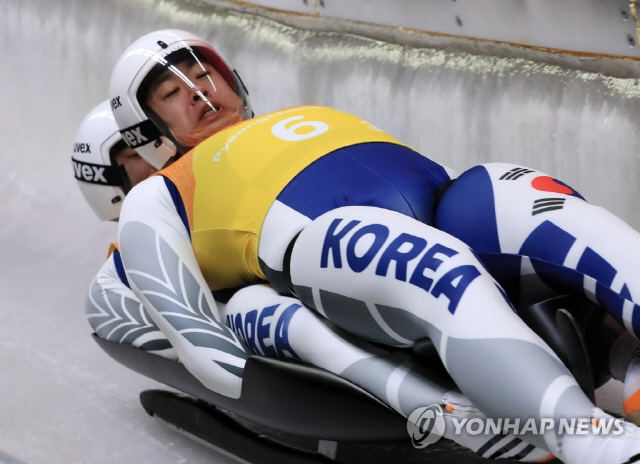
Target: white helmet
140, 127
103, 185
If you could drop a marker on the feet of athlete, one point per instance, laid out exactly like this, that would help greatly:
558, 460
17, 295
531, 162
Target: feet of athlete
631, 390
621, 445
624, 365
458, 410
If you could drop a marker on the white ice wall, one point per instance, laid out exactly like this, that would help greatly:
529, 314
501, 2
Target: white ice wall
587, 26
64, 401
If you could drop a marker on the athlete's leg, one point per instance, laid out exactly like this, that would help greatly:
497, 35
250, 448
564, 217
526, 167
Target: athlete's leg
278, 326
572, 245
394, 280
503, 208
518, 278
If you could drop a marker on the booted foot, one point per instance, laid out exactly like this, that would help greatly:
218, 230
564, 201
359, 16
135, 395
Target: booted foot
617, 444
458, 410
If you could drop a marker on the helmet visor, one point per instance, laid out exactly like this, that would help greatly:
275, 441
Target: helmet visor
190, 94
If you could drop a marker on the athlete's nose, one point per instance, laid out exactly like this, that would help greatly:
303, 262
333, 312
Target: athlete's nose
198, 93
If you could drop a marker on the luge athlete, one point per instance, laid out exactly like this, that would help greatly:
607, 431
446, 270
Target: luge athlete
326, 206
106, 169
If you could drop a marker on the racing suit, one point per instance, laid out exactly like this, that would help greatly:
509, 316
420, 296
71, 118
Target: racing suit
325, 206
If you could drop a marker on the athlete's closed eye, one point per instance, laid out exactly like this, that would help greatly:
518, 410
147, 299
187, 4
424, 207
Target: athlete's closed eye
171, 93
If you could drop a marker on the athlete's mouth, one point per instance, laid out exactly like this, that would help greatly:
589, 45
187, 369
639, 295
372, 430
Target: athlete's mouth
210, 111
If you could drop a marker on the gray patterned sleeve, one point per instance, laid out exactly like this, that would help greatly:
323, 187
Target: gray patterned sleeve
164, 274
116, 314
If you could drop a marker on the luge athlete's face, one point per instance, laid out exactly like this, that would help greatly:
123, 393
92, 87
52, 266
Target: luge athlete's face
194, 112
136, 167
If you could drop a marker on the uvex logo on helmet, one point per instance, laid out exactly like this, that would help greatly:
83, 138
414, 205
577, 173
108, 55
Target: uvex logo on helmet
96, 173
81, 147
115, 103
140, 134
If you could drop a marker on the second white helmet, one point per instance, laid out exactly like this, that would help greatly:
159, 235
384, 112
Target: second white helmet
103, 184
140, 127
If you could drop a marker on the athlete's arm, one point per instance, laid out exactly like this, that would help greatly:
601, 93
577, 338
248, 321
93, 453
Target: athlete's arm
116, 314
164, 274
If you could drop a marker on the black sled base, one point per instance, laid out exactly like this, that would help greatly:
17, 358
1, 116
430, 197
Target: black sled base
217, 429
287, 397
284, 395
